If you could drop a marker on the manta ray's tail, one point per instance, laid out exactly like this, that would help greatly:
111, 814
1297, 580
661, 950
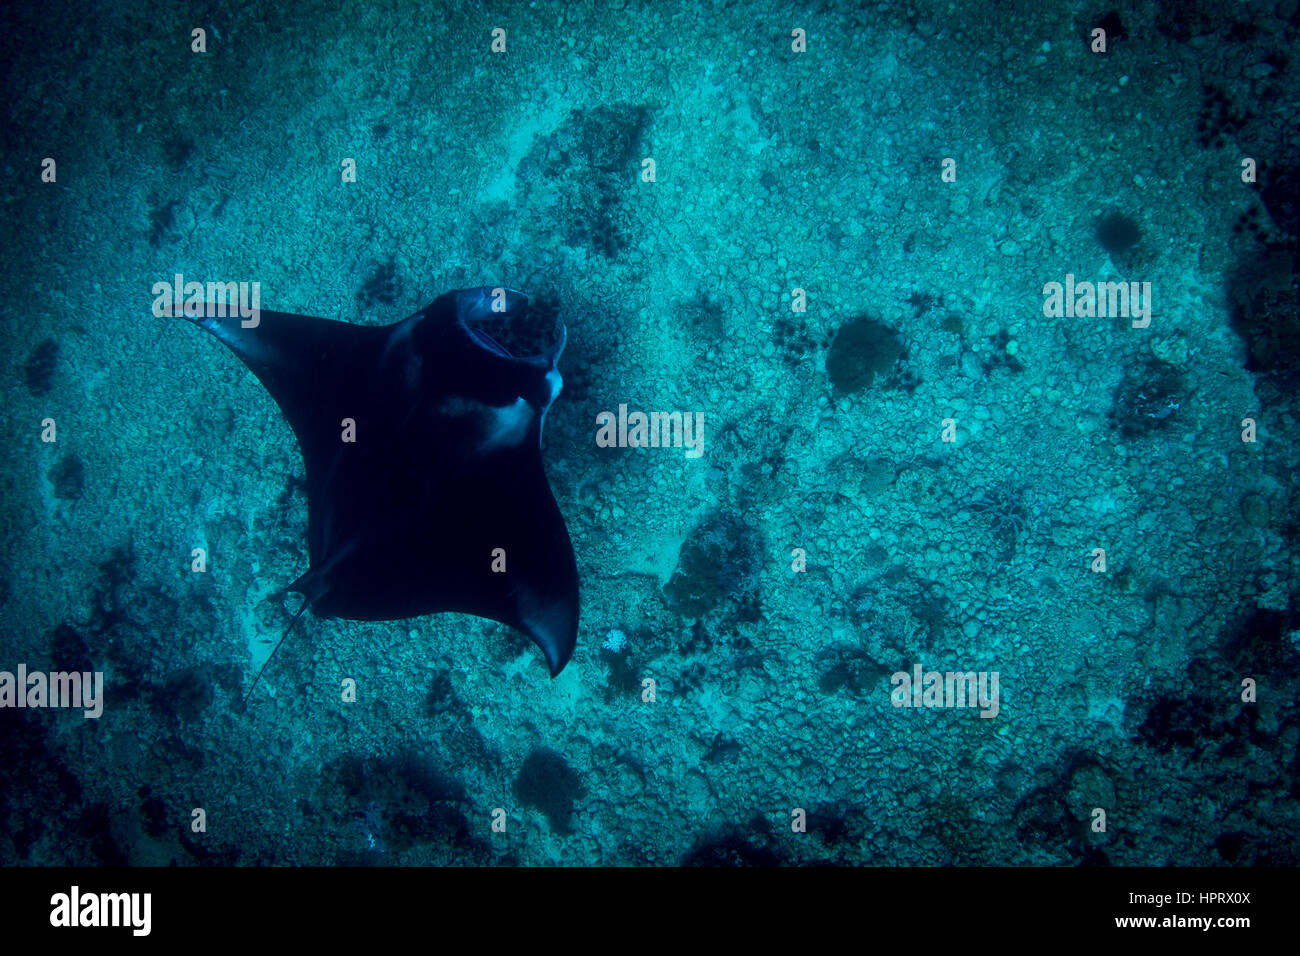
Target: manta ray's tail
262, 670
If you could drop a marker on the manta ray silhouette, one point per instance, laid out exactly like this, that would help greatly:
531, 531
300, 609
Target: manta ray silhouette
422, 444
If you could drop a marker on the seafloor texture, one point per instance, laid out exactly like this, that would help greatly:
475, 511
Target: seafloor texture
959, 546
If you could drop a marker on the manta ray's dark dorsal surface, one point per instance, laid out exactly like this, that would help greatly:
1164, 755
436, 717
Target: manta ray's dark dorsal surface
440, 502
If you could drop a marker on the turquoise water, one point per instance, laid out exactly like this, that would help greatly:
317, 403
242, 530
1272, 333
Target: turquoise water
840, 259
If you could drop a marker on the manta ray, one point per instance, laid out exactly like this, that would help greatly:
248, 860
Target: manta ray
422, 447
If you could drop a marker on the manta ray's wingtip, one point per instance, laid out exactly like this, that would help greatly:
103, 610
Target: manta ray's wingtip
555, 631
558, 650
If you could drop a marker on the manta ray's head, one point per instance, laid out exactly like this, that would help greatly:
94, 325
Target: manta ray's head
491, 344
505, 323
481, 356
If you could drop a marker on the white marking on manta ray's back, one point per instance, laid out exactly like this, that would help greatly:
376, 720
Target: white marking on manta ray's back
506, 427
496, 426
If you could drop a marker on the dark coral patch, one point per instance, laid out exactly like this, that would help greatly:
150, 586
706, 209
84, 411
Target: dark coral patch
38, 370
719, 561
864, 350
68, 478
547, 783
